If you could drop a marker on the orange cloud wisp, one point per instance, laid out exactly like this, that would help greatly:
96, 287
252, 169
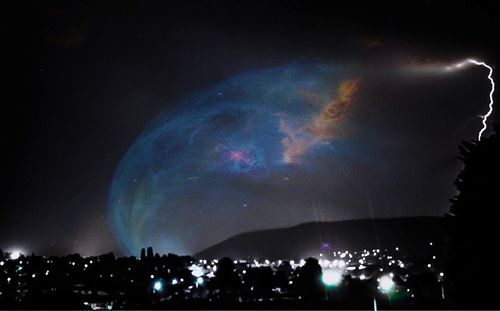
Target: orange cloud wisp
322, 127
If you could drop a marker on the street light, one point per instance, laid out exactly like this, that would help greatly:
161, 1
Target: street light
158, 286
331, 277
386, 284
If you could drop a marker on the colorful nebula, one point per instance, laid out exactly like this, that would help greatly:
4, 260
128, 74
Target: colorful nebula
248, 139
278, 147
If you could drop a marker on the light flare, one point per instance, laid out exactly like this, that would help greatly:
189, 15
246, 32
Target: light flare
158, 286
386, 283
331, 277
15, 254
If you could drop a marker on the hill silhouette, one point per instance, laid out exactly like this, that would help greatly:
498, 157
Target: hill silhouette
412, 235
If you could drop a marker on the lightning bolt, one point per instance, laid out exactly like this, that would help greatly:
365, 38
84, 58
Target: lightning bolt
490, 110
492, 91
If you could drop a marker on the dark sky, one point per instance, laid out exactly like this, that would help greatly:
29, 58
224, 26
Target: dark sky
82, 80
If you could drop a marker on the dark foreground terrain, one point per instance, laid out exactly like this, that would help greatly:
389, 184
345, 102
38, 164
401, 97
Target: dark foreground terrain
390, 263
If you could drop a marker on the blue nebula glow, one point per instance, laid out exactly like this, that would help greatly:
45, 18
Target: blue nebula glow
181, 185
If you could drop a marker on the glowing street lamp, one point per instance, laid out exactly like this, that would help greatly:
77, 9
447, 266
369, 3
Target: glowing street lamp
331, 277
386, 284
15, 254
199, 281
157, 286
196, 271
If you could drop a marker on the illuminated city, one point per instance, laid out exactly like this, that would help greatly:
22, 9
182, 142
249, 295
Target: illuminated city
106, 282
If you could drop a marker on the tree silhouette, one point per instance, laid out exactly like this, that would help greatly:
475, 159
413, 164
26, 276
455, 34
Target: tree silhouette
226, 280
309, 284
473, 223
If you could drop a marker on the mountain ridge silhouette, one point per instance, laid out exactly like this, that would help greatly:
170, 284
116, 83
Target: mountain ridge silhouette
412, 236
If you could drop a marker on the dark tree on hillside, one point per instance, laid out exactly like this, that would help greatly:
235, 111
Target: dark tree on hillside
473, 274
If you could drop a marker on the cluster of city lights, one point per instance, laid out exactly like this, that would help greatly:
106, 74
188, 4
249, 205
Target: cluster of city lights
386, 267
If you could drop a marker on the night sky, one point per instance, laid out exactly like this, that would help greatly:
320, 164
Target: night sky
179, 124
